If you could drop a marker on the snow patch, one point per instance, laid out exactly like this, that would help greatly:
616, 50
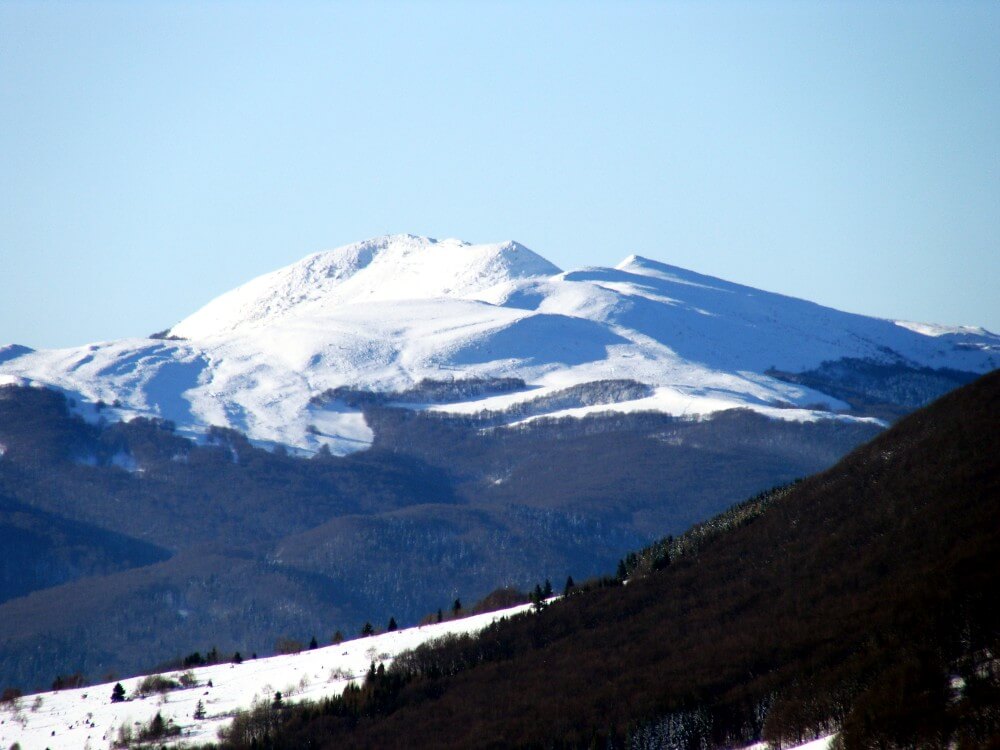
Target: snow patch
933, 329
823, 743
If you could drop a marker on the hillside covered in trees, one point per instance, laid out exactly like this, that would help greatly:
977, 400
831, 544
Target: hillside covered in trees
160, 545
862, 600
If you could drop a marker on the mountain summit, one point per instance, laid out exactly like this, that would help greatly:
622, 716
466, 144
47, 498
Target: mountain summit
388, 313
384, 269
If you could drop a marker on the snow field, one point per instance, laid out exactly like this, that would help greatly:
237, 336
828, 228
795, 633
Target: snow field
86, 718
385, 313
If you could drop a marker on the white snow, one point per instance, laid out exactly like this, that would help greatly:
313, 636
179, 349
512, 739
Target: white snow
933, 329
694, 405
385, 313
392, 268
86, 717
823, 743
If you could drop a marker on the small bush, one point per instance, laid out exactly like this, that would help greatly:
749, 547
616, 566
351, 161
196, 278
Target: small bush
124, 739
157, 683
188, 679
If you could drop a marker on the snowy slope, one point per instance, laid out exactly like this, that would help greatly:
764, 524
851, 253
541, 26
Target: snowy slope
385, 313
386, 269
86, 717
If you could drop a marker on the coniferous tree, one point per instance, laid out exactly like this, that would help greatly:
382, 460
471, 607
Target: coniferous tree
456, 607
237, 659
537, 597
313, 644
199, 710
367, 629
117, 693
547, 592
569, 586
440, 615
392, 624
338, 638
662, 560
157, 726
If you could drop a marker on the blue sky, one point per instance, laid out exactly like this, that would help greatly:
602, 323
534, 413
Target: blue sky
154, 155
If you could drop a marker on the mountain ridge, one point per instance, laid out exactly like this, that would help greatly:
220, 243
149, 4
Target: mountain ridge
386, 313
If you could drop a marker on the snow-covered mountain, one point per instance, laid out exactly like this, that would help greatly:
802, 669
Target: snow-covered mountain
384, 314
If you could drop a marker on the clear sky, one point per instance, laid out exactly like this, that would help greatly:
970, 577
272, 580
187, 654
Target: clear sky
154, 155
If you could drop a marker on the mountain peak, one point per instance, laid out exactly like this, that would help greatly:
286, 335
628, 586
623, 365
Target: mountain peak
642, 266
388, 312
388, 268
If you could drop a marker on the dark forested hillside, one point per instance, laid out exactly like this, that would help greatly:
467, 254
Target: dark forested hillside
887, 391
293, 547
42, 549
862, 599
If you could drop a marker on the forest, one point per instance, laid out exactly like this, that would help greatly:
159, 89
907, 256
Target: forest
862, 599
162, 544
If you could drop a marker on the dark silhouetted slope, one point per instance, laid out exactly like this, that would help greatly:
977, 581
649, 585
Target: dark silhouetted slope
864, 598
42, 550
